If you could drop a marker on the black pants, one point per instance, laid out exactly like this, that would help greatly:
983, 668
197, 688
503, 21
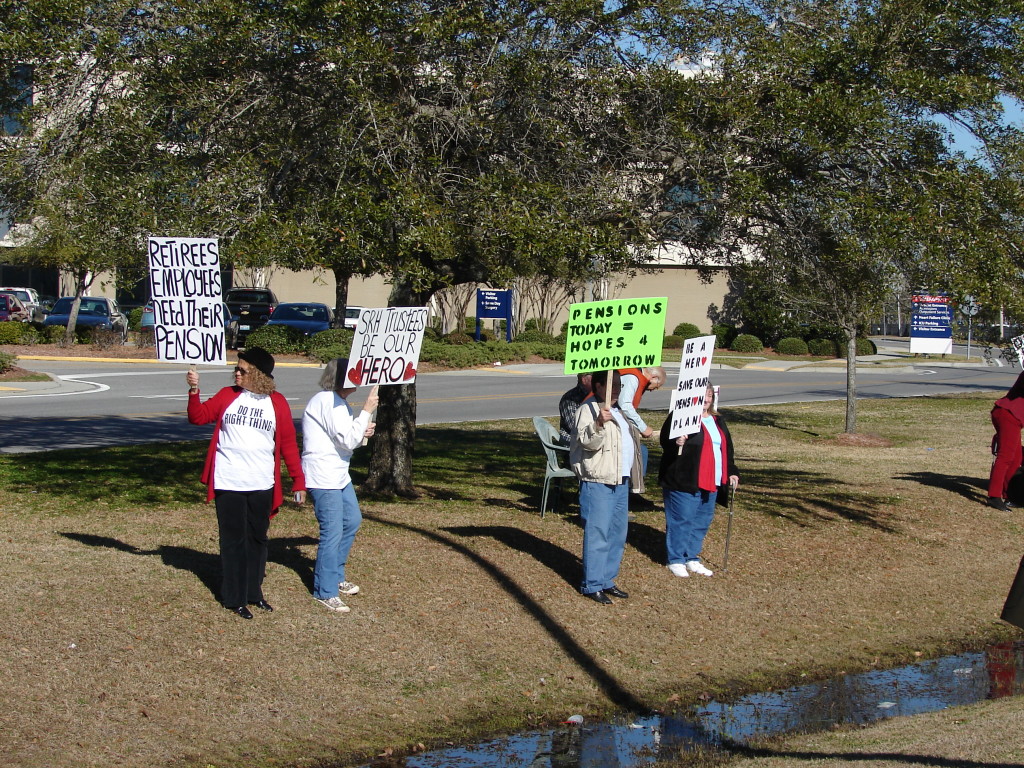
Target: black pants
243, 518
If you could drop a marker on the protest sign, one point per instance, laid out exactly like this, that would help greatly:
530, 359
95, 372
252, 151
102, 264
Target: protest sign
185, 288
1017, 342
386, 347
688, 396
623, 333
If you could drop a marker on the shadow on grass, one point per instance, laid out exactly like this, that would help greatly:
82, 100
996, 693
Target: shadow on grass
809, 498
563, 563
205, 565
150, 474
968, 487
613, 689
764, 419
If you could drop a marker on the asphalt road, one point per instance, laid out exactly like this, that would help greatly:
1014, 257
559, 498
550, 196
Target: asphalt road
103, 404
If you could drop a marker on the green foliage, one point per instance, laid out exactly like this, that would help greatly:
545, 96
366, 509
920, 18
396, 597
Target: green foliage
673, 342
791, 346
7, 361
329, 344
822, 347
135, 319
457, 337
12, 332
746, 342
724, 335
533, 336
51, 334
687, 331
278, 340
865, 346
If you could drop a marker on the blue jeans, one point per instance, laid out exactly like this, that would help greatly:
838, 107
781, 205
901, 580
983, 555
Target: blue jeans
687, 519
338, 513
604, 509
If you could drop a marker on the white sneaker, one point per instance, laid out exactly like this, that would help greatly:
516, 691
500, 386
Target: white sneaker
679, 569
696, 566
348, 588
333, 604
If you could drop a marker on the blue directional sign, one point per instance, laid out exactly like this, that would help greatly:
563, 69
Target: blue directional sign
494, 305
931, 324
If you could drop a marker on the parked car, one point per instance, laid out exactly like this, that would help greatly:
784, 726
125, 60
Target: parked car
308, 318
95, 312
250, 309
30, 299
12, 309
352, 317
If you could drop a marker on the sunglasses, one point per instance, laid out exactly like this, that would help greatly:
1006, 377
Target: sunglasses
241, 371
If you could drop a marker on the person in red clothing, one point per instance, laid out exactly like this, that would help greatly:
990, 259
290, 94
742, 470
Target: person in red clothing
253, 431
1008, 419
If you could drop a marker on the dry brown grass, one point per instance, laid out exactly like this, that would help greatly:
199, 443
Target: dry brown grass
842, 558
984, 734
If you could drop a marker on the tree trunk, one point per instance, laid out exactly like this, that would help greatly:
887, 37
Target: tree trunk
851, 379
341, 278
81, 283
395, 437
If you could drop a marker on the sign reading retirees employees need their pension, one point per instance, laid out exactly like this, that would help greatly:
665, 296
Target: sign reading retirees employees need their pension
692, 388
623, 333
185, 290
386, 347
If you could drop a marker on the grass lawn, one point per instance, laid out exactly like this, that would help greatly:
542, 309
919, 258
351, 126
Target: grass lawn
843, 558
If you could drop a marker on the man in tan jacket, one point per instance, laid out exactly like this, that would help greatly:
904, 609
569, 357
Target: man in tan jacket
604, 454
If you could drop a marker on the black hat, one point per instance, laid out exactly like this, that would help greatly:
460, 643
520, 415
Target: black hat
260, 358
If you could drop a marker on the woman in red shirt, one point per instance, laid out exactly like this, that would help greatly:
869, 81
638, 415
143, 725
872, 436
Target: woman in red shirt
1008, 419
253, 431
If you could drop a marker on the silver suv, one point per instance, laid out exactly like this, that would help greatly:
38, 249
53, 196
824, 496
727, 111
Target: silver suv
30, 299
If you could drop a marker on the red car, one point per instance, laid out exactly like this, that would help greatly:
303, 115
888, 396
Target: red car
11, 308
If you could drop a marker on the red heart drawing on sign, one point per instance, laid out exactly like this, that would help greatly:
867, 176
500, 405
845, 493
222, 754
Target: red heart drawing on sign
410, 373
696, 399
703, 361
356, 374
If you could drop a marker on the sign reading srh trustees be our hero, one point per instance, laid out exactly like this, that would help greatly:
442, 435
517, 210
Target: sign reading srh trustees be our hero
688, 396
386, 347
184, 282
623, 333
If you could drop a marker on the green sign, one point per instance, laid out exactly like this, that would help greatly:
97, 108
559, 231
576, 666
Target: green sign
625, 333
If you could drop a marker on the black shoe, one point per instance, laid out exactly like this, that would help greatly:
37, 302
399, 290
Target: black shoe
616, 592
1002, 504
599, 597
241, 610
263, 605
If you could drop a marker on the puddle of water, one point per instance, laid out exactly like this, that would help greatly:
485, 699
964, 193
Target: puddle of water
632, 743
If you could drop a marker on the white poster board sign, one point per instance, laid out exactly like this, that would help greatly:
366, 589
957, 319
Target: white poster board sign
1017, 342
688, 396
386, 347
185, 289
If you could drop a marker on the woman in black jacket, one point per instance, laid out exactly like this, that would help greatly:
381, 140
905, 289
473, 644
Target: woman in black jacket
693, 467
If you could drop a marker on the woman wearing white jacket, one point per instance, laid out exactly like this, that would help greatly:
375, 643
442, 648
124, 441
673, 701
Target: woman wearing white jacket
330, 433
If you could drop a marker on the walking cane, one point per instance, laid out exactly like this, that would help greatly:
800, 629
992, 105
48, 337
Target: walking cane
728, 528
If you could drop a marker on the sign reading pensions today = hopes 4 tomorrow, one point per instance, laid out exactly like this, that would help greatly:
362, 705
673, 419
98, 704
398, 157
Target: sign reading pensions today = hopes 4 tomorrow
623, 333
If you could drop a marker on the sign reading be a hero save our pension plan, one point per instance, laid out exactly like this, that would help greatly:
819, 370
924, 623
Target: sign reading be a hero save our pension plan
624, 333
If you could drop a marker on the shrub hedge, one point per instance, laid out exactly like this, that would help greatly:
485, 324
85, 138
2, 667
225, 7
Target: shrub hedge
724, 335
746, 342
673, 342
687, 331
7, 361
822, 347
791, 346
